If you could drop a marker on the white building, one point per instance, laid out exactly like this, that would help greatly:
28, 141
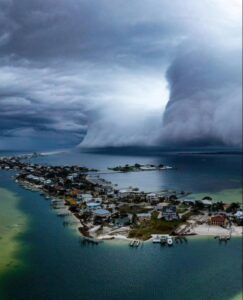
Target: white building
123, 193
85, 197
152, 197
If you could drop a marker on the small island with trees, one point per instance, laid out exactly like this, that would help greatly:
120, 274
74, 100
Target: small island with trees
139, 167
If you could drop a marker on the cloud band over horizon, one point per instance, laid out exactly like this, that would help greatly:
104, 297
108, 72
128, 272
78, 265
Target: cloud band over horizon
118, 73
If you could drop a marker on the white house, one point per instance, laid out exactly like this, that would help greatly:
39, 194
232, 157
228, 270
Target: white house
152, 197
93, 206
85, 197
123, 193
239, 214
147, 168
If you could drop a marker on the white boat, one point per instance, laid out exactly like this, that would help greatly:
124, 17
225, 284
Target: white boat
169, 241
157, 239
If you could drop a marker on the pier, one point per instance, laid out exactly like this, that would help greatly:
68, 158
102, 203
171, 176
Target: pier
134, 243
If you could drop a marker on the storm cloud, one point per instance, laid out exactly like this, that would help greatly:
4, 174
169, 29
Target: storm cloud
116, 73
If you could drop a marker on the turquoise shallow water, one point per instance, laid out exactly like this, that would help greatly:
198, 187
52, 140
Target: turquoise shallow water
59, 267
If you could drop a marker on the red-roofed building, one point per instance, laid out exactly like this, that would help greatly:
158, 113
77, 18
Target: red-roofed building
218, 220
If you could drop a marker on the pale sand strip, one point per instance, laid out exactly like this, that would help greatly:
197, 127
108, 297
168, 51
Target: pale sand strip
205, 229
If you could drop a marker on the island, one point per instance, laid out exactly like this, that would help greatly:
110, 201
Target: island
139, 167
101, 210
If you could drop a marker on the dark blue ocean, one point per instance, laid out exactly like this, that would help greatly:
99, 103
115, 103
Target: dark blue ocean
57, 266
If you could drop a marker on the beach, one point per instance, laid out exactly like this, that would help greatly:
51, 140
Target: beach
212, 230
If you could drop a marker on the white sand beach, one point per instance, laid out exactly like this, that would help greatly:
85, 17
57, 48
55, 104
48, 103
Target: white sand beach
206, 229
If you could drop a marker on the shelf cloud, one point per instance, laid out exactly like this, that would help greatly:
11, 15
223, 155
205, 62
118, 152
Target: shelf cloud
119, 73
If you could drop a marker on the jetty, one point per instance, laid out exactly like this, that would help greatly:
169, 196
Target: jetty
134, 243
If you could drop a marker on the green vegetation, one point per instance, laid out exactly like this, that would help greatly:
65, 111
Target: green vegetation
134, 168
227, 196
144, 230
132, 209
180, 209
233, 207
126, 168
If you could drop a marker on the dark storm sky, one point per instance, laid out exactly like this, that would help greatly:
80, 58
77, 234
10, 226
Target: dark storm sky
120, 72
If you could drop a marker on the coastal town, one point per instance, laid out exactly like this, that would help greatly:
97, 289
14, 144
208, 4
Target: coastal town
103, 211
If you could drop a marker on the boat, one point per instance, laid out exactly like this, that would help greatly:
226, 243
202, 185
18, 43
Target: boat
157, 239
169, 241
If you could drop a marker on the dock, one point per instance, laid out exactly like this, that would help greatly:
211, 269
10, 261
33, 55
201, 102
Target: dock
134, 243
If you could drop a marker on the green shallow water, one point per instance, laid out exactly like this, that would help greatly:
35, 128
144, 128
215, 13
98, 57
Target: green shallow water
13, 223
227, 196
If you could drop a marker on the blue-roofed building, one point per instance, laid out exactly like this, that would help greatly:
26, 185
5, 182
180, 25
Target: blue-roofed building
101, 213
93, 205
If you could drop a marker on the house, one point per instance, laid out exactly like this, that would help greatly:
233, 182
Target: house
218, 220
144, 216
188, 201
123, 193
159, 206
152, 197
148, 168
206, 203
85, 197
169, 213
93, 206
239, 215
101, 213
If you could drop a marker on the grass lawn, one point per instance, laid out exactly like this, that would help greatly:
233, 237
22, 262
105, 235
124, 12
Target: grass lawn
144, 230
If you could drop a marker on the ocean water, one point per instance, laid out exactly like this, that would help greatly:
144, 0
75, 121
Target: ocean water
219, 175
56, 266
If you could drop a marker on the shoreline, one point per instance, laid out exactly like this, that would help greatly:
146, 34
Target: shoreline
203, 230
100, 210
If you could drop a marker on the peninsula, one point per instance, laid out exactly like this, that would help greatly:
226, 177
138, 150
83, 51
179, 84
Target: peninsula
104, 211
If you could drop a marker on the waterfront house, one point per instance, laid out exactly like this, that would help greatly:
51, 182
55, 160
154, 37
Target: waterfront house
219, 220
206, 203
147, 168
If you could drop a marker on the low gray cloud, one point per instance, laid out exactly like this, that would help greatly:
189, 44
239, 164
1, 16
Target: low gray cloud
205, 105
115, 73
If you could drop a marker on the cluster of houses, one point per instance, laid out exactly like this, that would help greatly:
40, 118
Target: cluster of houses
96, 201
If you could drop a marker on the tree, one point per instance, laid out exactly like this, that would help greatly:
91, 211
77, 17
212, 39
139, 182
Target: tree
207, 198
233, 207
